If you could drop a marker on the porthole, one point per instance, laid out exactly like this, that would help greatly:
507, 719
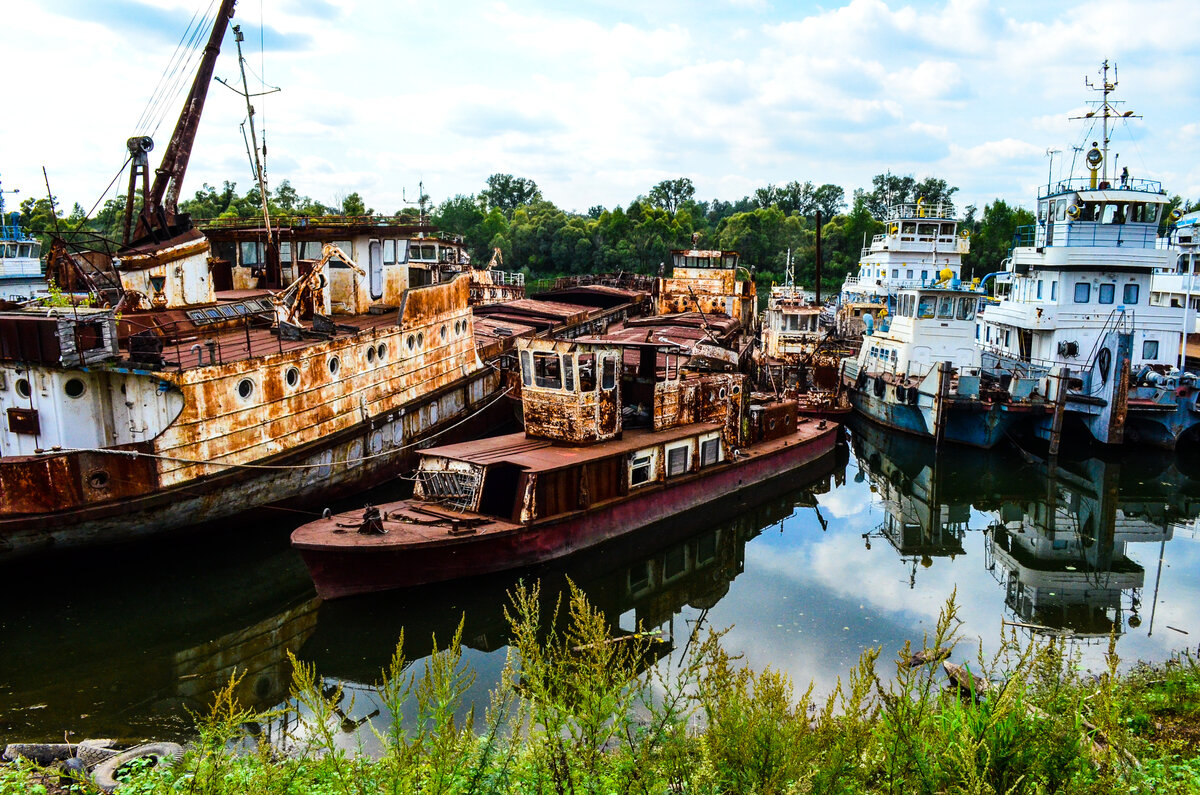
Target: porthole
771, 424
335, 364
381, 351
411, 342
292, 376
370, 354
443, 332
737, 390
22, 387
245, 388
722, 393
98, 479
74, 388
457, 328
420, 339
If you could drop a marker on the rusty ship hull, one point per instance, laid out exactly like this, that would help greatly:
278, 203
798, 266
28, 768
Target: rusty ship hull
341, 566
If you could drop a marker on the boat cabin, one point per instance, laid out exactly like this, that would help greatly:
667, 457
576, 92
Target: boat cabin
21, 276
707, 282
929, 325
791, 324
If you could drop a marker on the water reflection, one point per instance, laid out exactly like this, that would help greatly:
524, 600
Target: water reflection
1057, 533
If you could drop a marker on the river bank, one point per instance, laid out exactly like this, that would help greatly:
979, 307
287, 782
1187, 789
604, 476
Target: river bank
583, 709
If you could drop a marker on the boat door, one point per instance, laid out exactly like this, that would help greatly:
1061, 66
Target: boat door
609, 421
375, 268
1050, 223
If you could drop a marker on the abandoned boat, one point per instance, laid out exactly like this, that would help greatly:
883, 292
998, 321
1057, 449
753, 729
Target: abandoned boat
226, 382
584, 471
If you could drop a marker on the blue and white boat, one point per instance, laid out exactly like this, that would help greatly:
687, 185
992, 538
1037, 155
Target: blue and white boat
918, 370
21, 276
1077, 310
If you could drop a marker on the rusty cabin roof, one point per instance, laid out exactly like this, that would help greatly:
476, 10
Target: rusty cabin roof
541, 455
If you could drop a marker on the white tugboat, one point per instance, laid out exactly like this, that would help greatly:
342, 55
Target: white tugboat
918, 370
917, 245
1177, 286
21, 276
1078, 304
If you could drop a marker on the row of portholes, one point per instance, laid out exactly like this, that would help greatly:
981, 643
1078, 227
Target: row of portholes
291, 376
414, 341
74, 388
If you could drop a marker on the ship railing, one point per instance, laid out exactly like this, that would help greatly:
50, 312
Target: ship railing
1080, 234
419, 229
942, 210
233, 342
1076, 184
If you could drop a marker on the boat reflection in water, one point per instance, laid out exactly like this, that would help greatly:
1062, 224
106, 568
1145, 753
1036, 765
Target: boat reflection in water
1056, 533
636, 583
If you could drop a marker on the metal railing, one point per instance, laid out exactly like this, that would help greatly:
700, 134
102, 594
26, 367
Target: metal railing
1090, 234
1085, 183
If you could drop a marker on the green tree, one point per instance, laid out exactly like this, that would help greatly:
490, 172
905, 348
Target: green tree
506, 193
354, 205
670, 194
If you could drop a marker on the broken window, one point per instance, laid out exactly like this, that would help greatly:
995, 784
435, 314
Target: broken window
641, 467
568, 371
587, 372
547, 370
526, 369
608, 377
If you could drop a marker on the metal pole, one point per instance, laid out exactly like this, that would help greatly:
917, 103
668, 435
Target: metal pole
817, 291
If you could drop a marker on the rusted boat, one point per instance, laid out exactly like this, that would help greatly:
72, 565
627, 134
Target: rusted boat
270, 371
612, 443
797, 358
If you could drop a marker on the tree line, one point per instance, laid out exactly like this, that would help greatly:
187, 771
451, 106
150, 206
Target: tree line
536, 236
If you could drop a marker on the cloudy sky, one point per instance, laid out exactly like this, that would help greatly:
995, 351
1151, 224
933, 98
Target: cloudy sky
597, 100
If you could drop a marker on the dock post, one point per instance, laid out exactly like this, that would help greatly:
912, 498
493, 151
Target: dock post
939, 402
1060, 405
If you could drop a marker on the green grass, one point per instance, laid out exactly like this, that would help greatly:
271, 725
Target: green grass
578, 710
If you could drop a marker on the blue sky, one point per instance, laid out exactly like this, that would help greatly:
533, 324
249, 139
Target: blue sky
597, 101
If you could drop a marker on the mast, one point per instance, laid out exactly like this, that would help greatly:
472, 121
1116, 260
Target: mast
1107, 110
159, 204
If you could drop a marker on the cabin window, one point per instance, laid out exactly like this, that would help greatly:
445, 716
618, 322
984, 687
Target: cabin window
1039, 288
587, 372
1007, 337
389, 252
641, 467
310, 249
1054, 290
946, 307
710, 450
568, 372
1150, 349
895, 273
526, 369
285, 251
1061, 215
1041, 211
250, 254
1108, 293
1130, 295
924, 275
678, 462
1083, 293
966, 309
910, 273
547, 370
608, 375
926, 307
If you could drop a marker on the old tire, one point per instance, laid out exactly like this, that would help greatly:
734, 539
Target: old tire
105, 774
93, 752
42, 753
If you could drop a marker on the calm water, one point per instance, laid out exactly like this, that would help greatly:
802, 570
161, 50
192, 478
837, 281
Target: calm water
863, 553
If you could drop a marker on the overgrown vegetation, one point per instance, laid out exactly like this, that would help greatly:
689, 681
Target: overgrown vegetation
581, 710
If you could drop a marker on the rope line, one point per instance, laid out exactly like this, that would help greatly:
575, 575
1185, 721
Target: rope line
280, 467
